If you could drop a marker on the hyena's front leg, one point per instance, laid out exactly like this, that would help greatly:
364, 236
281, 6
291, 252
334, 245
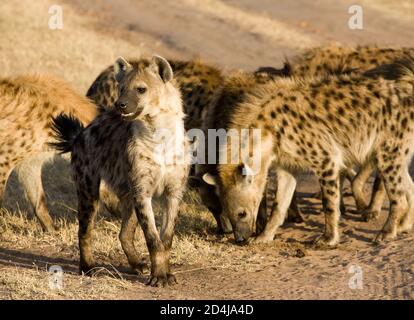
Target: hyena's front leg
285, 189
330, 186
378, 194
395, 176
169, 218
159, 256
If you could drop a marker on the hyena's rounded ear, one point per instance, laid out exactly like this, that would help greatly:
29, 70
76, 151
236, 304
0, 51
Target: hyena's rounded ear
164, 68
121, 68
210, 179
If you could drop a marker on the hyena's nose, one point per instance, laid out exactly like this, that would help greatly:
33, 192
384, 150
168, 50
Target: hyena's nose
240, 239
121, 105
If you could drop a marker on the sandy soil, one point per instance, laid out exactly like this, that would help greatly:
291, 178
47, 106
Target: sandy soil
232, 34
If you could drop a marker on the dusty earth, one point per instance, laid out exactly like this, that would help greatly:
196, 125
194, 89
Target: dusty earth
232, 34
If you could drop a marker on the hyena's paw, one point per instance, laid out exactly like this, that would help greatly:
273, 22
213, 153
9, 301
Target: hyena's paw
263, 238
370, 215
384, 236
140, 268
361, 205
326, 242
162, 280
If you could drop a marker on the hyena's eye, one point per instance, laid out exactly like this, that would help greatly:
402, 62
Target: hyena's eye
242, 214
141, 90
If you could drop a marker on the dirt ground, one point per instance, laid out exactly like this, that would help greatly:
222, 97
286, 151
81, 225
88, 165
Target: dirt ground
232, 34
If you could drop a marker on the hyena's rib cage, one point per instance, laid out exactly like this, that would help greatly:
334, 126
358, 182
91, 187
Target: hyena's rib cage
326, 125
27, 105
121, 148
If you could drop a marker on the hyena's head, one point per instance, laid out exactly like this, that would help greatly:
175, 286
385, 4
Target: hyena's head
240, 192
142, 86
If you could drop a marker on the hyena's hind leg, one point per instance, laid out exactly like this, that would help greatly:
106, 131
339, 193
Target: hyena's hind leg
29, 173
88, 202
127, 235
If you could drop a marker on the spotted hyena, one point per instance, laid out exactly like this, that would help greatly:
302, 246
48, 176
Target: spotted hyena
27, 105
124, 148
324, 125
314, 62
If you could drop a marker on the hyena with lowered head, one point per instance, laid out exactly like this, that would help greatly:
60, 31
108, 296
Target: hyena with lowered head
27, 105
125, 148
324, 125
320, 62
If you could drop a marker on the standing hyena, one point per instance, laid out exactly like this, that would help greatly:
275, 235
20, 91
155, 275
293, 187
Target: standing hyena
315, 62
324, 125
127, 149
27, 105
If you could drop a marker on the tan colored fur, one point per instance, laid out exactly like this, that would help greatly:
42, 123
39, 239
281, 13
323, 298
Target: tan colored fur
27, 104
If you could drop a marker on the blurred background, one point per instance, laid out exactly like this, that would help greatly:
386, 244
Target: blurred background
246, 33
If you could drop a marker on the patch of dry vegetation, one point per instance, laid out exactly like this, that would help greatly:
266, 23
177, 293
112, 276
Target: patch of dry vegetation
75, 53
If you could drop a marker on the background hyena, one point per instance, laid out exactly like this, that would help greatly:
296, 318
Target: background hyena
335, 60
325, 125
27, 105
315, 62
121, 148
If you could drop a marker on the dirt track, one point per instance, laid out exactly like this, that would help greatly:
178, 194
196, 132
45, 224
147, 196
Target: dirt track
240, 34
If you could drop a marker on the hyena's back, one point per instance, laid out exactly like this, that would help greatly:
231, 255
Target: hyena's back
340, 60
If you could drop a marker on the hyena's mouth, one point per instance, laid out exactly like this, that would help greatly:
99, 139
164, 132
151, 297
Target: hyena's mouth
130, 115
127, 115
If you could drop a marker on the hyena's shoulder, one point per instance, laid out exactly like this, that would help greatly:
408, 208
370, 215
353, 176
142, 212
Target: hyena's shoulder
234, 90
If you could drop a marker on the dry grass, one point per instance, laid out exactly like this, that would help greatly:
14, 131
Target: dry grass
76, 52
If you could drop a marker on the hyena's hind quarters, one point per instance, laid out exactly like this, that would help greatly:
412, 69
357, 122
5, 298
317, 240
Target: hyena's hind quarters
66, 129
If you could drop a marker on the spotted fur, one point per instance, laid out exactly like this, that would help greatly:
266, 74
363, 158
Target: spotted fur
27, 104
121, 148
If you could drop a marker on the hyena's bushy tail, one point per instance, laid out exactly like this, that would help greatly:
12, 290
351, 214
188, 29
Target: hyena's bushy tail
66, 129
401, 69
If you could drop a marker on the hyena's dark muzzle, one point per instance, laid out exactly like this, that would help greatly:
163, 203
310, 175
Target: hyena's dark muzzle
128, 109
